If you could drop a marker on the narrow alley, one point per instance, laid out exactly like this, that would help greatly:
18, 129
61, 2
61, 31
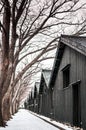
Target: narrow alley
23, 120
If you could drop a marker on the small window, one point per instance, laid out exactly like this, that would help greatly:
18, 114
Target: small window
66, 76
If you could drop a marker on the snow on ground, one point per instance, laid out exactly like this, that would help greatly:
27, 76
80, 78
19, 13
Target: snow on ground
58, 124
23, 120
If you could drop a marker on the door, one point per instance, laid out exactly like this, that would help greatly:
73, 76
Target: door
76, 105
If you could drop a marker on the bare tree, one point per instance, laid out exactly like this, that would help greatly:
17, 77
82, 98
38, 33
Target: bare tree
22, 23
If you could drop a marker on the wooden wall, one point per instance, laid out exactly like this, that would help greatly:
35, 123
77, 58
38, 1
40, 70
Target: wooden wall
63, 98
45, 101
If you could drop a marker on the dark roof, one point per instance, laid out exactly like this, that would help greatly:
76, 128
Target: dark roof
77, 43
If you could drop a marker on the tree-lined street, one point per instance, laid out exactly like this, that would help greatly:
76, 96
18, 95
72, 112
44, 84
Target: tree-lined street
29, 35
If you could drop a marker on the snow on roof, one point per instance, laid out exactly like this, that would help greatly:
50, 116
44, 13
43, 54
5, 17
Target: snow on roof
37, 84
46, 75
78, 43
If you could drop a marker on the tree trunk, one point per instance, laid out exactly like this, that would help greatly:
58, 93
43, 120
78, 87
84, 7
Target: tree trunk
5, 55
12, 109
2, 123
11, 105
6, 107
15, 106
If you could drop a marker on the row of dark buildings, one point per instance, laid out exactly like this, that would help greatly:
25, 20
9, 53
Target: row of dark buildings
61, 93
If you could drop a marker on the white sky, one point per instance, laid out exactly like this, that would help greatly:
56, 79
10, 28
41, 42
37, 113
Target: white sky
38, 41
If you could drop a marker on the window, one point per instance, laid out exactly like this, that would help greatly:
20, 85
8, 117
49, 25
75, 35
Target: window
66, 76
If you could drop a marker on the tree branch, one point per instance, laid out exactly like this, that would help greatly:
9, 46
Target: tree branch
31, 63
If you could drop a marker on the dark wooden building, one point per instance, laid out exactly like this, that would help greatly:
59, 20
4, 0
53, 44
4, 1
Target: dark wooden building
30, 102
36, 96
68, 81
45, 94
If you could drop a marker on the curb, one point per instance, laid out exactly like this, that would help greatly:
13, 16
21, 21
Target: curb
60, 128
51, 123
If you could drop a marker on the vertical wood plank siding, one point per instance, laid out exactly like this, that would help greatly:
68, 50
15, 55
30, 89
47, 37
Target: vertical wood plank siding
63, 98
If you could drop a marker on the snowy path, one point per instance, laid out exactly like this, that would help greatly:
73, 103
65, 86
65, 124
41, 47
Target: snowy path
23, 120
